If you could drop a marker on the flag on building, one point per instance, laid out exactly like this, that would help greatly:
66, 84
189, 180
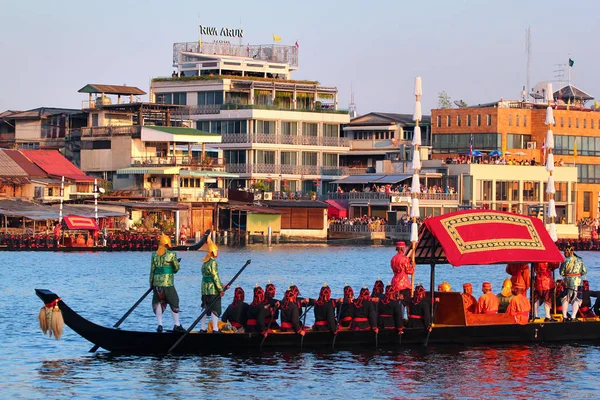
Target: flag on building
471, 146
200, 43
296, 45
544, 151
276, 38
571, 62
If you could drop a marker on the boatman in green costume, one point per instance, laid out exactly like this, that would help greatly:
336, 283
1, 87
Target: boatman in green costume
164, 265
212, 288
572, 269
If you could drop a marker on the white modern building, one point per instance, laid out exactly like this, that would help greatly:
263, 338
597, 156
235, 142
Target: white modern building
283, 132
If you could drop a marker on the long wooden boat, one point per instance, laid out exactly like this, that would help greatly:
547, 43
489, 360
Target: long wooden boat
137, 342
471, 237
76, 249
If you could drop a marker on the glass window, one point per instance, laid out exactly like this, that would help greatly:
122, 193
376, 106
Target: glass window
525, 120
330, 160
264, 127
562, 122
485, 193
265, 157
468, 120
289, 158
518, 120
310, 129
164, 98
331, 130
448, 121
509, 119
235, 156
489, 120
531, 191
478, 120
458, 122
203, 126
289, 128
576, 122
180, 98
584, 123
569, 122
587, 201
309, 158
439, 121
501, 190
592, 123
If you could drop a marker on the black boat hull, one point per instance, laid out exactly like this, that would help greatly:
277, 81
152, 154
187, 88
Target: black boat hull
135, 342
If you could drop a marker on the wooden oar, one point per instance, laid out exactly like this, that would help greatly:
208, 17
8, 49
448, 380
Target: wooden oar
339, 315
206, 309
119, 322
267, 331
435, 305
304, 325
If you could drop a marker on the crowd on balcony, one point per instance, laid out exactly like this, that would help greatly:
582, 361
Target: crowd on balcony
465, 159
405, 220
399, 188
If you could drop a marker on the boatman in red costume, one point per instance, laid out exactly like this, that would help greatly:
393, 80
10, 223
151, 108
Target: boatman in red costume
469, 301
520, 275
488, 303
544, 285
519, 306
402, 266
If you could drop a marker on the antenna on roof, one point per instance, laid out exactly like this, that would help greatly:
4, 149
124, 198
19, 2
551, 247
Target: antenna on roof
528, 53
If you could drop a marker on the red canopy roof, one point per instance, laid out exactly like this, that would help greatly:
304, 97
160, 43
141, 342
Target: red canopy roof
77, 222
55, 164
475, 237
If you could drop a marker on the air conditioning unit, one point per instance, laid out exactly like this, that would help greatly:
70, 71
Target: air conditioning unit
268, 196
531, 145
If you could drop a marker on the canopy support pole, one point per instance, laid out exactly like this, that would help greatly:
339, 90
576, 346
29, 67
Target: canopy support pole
532, 316
431, 286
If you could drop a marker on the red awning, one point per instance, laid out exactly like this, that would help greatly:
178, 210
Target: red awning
475, 237
335, 209
77, 222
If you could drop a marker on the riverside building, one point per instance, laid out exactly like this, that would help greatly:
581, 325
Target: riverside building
517, 129
282, 132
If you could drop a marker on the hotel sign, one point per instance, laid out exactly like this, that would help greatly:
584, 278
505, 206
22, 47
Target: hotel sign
224, 32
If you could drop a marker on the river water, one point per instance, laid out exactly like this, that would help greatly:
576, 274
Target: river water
102, 286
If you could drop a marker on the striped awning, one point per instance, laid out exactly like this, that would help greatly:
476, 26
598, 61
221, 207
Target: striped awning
149, 171
208, 174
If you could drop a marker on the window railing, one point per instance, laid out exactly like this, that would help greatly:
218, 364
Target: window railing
275, 169
197, 162
283, 139
111, 130
281, 108
365, 228
386, 196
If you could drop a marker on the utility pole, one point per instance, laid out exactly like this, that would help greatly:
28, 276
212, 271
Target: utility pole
528, 54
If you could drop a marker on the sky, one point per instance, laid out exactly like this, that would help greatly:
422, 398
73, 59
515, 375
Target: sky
472, 49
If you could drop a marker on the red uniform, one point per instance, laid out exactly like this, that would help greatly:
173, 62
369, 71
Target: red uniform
520, 276
401, 267
519, 308
488, 304
470, 303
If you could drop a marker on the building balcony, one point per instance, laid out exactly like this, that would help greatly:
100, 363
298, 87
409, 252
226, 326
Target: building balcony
197, 163
427, 197
107, 131
279, 169
188, 194
329, 109
267, 138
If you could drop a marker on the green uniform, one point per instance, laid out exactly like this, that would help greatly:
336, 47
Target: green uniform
211, 286
162, 269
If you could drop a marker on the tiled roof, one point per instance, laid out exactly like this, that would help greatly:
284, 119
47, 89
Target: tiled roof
9, 167
54, 164
32, 170
111, 89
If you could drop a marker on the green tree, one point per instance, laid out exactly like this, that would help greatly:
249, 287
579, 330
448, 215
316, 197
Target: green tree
444, 101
